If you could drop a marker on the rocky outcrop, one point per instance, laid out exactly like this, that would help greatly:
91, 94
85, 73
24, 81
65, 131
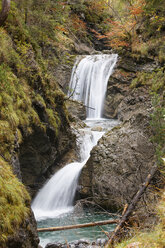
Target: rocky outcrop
40, 153
76, 109
120, 80
26, 236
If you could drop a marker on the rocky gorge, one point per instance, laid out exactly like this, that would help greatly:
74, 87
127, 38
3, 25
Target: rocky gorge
118, 164
125, 155
39, 43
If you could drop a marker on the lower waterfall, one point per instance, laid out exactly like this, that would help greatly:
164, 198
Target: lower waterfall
57, 196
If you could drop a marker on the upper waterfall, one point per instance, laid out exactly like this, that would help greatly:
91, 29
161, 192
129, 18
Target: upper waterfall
89, 81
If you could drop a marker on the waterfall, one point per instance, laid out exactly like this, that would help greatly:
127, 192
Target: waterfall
89, 81
57, 196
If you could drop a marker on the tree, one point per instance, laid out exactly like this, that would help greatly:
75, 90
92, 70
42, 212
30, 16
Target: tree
5, 11
123, 24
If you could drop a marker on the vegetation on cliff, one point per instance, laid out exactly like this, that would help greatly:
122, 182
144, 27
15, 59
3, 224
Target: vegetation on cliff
14, 202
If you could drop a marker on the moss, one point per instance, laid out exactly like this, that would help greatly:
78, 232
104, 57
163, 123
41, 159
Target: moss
154, 80
14, 202
16, 108
40, 99
7, 53
54, 120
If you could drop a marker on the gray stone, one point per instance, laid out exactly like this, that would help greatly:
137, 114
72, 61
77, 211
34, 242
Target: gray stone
53, 245
77, 109
83, 241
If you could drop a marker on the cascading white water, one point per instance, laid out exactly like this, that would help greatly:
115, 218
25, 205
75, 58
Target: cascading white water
89, 81
57, 196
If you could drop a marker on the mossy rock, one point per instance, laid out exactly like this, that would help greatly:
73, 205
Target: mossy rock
14, 202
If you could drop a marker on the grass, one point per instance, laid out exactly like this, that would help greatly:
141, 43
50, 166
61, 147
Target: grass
155, 80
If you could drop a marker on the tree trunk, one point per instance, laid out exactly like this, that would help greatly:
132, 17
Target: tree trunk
5, 11
59, 228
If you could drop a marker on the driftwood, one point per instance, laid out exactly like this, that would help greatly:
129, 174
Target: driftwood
80, 103
131, 207
60, 228
5, 11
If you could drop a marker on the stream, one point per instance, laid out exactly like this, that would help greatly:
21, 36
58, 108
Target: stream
54, 203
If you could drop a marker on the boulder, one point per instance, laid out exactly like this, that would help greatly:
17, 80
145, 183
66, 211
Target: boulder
76, 109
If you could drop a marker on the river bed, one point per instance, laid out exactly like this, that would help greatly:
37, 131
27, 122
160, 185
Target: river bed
73, 218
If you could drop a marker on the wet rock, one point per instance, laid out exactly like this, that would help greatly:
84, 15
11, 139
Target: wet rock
98, 129
81, 245
77, 109
40, 152
101, 242
83, 241
53, 245
77, 244
72, 246
82, 48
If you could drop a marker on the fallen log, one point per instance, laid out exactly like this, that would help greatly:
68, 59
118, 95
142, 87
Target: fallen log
60, 228
132, 205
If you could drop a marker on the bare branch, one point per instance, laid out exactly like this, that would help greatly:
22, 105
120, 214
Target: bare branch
132, 205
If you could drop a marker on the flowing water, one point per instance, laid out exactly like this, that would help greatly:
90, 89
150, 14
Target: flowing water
89, 81
57, 196
53, 204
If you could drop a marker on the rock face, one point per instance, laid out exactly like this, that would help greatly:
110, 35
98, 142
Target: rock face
119, 82
124, 156
77, 109
41, 151
26, 236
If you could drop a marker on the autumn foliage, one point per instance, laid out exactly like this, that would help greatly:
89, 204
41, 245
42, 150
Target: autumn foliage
78, 25
122, 29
